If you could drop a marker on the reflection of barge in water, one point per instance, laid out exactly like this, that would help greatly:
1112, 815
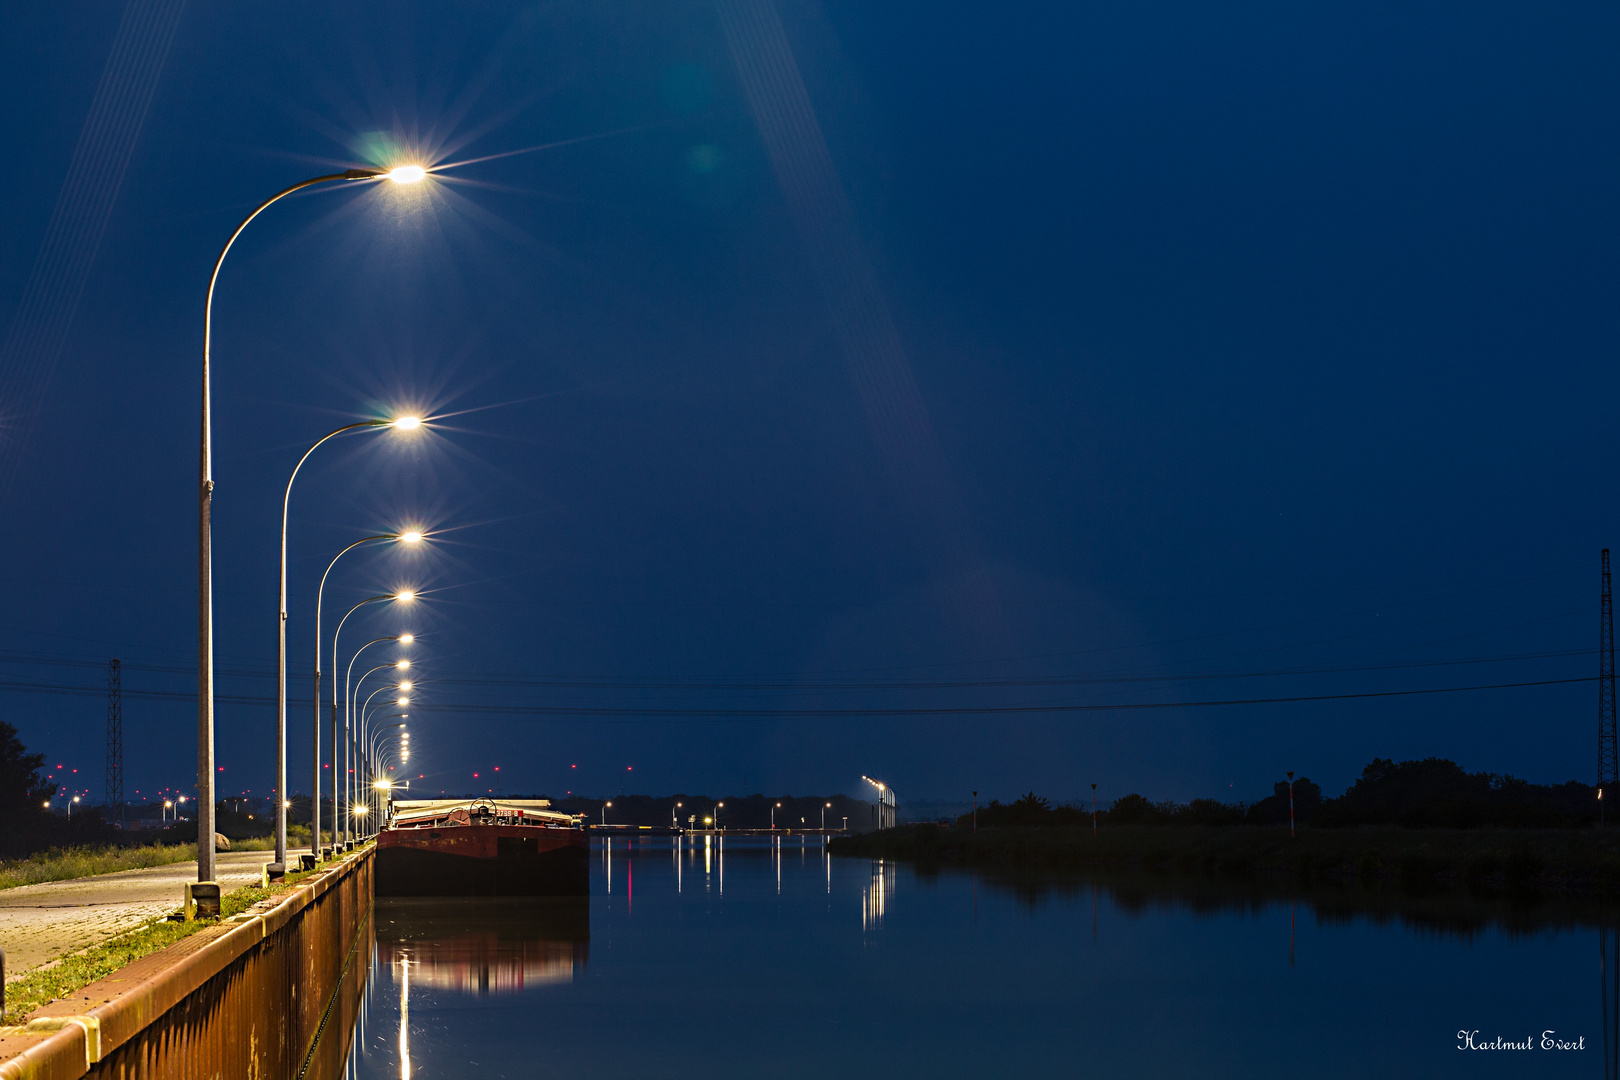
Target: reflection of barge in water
485, 946
482, 847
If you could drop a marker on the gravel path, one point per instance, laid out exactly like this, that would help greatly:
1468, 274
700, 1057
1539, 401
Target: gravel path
39, 923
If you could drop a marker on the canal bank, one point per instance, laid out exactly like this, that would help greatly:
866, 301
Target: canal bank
1578, 861
250, 996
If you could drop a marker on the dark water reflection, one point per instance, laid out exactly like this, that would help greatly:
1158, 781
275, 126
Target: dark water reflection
761, 959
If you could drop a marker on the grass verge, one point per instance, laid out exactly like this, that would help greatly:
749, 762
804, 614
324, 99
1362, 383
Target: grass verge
64, 863
73, 973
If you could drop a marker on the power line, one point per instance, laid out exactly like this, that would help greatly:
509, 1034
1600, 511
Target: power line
765, 714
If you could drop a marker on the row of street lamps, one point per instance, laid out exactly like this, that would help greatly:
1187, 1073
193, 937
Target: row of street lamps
405, 174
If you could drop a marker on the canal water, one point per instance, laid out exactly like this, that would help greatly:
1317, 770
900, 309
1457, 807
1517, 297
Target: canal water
748, 957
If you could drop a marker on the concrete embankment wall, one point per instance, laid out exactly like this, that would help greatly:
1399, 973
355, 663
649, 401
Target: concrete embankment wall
270, 993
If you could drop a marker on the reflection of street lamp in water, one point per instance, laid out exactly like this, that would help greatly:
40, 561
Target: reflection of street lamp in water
404, 1018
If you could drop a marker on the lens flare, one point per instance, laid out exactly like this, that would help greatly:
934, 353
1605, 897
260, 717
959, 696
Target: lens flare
410, 538
405, 595
407, 423
406, 639
406, 174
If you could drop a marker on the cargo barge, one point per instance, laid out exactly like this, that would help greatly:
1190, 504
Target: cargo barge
481, 847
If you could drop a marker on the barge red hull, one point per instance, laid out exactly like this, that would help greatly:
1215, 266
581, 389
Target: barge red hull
483, 860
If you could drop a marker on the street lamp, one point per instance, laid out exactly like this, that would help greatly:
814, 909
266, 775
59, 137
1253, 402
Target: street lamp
674, 822
717, 807
604, 813
376, 744
404, 537
401, 422
824, 809
359, 684
405, 174
403, 639
372, 746
774, 809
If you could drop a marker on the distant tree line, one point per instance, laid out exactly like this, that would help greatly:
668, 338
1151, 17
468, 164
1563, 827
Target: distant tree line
1432, 793
26, 826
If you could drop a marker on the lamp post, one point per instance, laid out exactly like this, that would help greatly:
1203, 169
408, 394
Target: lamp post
403, 639
380, 786
363, 739
337, 816
378, 743
674, 822
369, 763
320, 596
717, 807
604, 813
402, 423
205, 500
774, 809
824, 810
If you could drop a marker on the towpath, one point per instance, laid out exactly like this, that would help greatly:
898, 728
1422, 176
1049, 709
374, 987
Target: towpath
39, 923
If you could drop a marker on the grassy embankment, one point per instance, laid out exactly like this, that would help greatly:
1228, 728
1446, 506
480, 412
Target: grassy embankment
44, 985
63, 863
60, 865
1481, 860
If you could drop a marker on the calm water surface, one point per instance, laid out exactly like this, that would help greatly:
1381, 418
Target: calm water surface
772, 959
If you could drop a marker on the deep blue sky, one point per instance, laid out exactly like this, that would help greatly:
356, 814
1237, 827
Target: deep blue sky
1251, 338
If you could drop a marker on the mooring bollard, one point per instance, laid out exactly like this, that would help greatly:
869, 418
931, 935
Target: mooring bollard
202, 900
306, 862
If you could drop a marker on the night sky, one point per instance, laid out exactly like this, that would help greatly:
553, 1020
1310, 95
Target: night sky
817, 373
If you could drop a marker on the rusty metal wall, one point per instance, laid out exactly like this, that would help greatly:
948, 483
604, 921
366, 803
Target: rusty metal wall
281, 1005
261, 1016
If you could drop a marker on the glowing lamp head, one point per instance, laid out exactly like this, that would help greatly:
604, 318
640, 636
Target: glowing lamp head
403, 701
406, 174
405, 685
406, 639
410, 538
381, 785
407, 423
406, 596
